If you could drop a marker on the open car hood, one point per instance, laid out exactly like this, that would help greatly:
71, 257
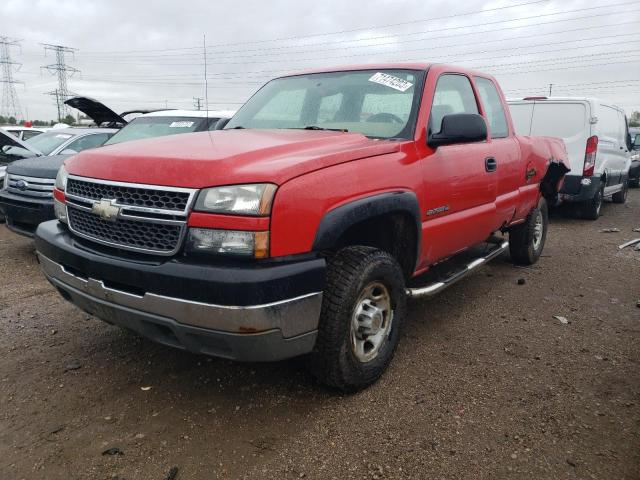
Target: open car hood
7, 139
96, 111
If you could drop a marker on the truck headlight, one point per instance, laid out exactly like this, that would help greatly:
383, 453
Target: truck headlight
254, 199
228, 242
61, 179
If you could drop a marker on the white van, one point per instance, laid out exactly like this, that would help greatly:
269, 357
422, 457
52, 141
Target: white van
597, 140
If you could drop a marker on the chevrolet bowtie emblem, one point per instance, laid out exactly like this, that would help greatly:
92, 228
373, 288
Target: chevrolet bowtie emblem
106, 210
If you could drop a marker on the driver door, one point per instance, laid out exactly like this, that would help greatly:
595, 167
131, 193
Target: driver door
460, 180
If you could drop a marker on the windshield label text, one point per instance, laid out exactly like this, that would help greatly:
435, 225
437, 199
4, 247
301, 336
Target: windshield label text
391, 81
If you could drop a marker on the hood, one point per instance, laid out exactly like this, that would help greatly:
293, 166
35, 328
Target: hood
7, 139
40, 167
96, 111
223, 157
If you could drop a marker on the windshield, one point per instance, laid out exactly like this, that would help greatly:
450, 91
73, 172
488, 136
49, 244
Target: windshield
150, 127
376, 103
48, 142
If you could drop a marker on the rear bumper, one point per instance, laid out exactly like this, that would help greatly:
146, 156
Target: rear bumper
579, 189
23, 214
285, 326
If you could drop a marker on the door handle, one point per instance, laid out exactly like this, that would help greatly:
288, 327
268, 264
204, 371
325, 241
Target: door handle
490, 164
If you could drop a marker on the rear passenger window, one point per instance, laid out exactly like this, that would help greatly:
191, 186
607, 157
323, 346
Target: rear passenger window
453, 95
493, 107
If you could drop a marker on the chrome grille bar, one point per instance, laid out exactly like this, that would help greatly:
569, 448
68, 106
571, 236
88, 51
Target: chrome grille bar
30, 186
157, 229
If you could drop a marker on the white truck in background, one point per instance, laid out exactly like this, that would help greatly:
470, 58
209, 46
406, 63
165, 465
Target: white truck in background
598, 143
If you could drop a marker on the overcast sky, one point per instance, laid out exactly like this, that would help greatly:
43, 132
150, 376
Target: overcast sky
148, 54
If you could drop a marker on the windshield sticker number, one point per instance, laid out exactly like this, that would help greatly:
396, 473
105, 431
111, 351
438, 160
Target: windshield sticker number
391, 81
62, 135
183, 124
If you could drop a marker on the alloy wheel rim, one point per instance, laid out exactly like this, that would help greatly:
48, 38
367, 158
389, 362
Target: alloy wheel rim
371, 322
538, 231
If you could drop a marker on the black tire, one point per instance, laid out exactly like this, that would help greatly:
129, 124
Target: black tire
621, 196
591, 209
350, 272
524, 245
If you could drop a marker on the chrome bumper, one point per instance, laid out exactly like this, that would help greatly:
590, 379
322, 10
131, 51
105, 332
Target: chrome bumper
292, 317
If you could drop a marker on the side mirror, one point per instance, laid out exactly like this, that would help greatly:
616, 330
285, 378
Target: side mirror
459, 128
68, 151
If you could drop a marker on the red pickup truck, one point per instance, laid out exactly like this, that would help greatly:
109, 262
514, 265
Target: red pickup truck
304, 225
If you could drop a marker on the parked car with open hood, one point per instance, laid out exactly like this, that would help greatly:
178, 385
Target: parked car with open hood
27, 199
596, 135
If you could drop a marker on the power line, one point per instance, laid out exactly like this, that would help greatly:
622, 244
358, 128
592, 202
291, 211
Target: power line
339, 32
603, 84
369, 54
244, 74
10, 106
261, 52
62, 70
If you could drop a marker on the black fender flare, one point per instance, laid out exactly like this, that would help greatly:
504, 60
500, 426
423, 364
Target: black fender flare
336, 222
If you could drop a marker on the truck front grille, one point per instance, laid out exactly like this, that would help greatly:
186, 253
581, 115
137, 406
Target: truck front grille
31, 186
126, 233
144, 218
129, 195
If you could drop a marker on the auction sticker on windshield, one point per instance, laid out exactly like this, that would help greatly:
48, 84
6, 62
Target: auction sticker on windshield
183, 124
391, 81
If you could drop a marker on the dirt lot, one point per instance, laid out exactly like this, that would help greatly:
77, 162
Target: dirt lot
485, 384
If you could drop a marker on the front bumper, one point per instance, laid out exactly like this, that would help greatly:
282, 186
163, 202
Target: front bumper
24, 214
579, 189
128, 294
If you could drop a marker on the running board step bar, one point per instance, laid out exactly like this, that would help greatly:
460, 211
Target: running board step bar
437, 287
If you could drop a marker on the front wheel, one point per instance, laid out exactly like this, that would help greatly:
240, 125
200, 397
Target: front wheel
526, 240
363, 308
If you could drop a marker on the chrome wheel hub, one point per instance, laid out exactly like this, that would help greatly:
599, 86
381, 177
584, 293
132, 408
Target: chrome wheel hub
538, 231
371, 321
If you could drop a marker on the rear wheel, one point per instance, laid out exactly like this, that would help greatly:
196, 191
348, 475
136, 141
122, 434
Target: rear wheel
363, 308
591, 209
527, 240
621, 196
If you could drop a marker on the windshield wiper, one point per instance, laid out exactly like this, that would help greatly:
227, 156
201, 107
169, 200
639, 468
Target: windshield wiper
239, 127
315, 127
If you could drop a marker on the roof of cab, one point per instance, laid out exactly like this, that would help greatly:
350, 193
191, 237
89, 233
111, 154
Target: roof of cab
191, 113
392, 66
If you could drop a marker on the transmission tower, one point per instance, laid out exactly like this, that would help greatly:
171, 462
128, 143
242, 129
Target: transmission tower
62, 71
10, 106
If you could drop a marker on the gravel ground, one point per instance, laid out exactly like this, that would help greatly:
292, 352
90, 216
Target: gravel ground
486, 383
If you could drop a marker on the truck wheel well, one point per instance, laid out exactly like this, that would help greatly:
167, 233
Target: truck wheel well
394, 233
549, 183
